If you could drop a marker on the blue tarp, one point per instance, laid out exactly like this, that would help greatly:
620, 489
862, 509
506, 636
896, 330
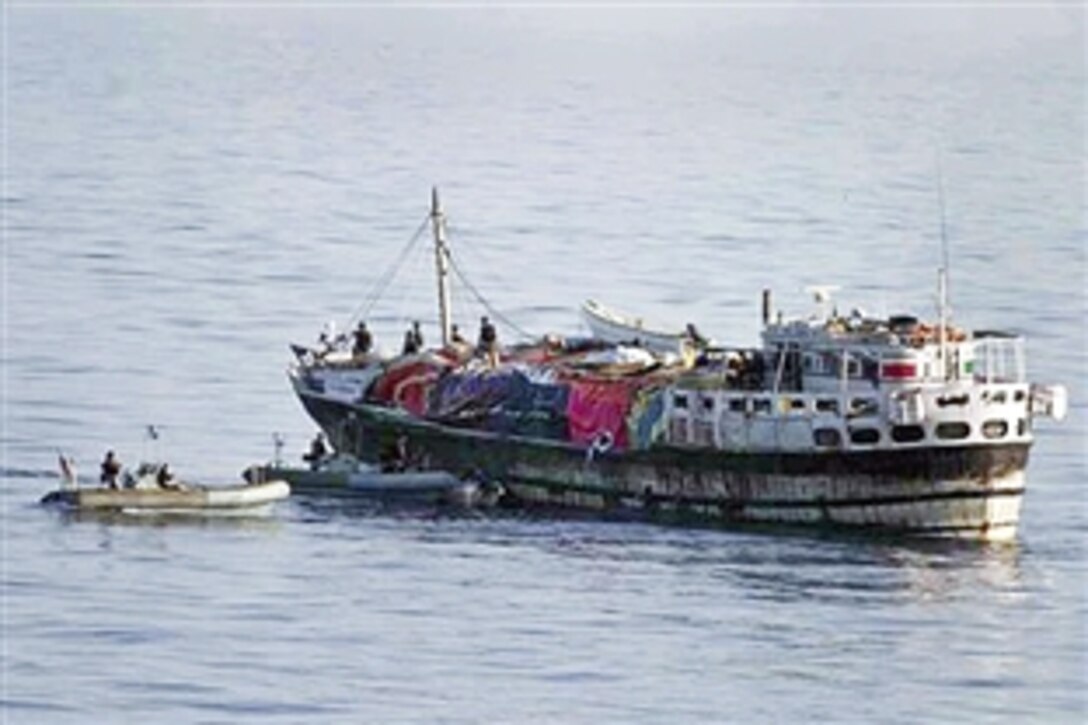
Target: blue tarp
502, 402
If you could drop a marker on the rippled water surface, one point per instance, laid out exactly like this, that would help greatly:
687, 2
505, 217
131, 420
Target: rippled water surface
188, 189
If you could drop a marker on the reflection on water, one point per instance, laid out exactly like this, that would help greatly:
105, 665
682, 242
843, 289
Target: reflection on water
790, 565
936, 572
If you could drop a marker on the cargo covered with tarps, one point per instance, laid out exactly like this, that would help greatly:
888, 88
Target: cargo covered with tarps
407, 382
501, 401
552, 402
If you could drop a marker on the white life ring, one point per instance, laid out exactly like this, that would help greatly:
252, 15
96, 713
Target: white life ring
602, 442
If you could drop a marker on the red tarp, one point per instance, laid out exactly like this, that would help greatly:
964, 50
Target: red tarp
596, 408
407, 384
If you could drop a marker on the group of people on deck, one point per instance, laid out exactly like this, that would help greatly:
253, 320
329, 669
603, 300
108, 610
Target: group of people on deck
487, 345
111, 470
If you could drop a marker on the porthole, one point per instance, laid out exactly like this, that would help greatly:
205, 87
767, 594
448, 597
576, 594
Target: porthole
680, 401
995, 429
908, 433
953, 431
827, 437
864, 436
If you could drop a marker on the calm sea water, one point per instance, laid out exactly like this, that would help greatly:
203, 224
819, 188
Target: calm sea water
189, 189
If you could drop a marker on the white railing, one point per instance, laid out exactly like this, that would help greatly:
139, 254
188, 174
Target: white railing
1000, 360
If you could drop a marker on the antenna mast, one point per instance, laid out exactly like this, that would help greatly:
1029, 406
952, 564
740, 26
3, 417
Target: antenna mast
442, 266
942, 275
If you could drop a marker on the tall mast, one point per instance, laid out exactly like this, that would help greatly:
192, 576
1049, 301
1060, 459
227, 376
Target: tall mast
442, 266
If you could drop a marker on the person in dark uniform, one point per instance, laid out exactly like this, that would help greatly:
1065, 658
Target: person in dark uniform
111, 469
417, 335
455, 336
696, 338
317, 452
363, 340
410, 345
165, 478
489, 342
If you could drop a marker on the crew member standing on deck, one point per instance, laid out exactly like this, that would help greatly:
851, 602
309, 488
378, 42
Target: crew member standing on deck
417, 335
111, 468
363, 341
489, 342
695, 337
410, 346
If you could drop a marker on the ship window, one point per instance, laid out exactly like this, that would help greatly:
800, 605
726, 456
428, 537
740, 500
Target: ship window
737, 405
853, 368
995, 428
827, 405
808, 363
797, 404
946, 400
866, 436
680, 401
827, 437
1018, 396
864, 406
1022, 427
708, 404
907, 433
995, 398
761, 405
953, 431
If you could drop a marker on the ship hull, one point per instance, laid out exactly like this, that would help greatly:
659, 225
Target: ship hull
965, 491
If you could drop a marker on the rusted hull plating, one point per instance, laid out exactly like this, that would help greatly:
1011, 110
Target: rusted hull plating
970, 492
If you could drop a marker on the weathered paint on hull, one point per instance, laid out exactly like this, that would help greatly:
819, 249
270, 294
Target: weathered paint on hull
972, 492
989, 517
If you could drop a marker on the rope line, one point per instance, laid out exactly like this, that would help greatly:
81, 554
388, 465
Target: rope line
487, 305
367, 306
387, 278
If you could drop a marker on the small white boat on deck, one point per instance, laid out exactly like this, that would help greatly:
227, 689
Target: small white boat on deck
142, 494
618, 329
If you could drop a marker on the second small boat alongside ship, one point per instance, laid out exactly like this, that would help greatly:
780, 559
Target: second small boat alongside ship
344, 475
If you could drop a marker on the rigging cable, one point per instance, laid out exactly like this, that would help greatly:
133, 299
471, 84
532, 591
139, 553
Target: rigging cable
487, 305
390, 274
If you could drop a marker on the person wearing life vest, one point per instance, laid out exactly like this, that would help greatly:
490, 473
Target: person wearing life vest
363, 340
317, 452
165, 479
488, 344
111, 468
413, 340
